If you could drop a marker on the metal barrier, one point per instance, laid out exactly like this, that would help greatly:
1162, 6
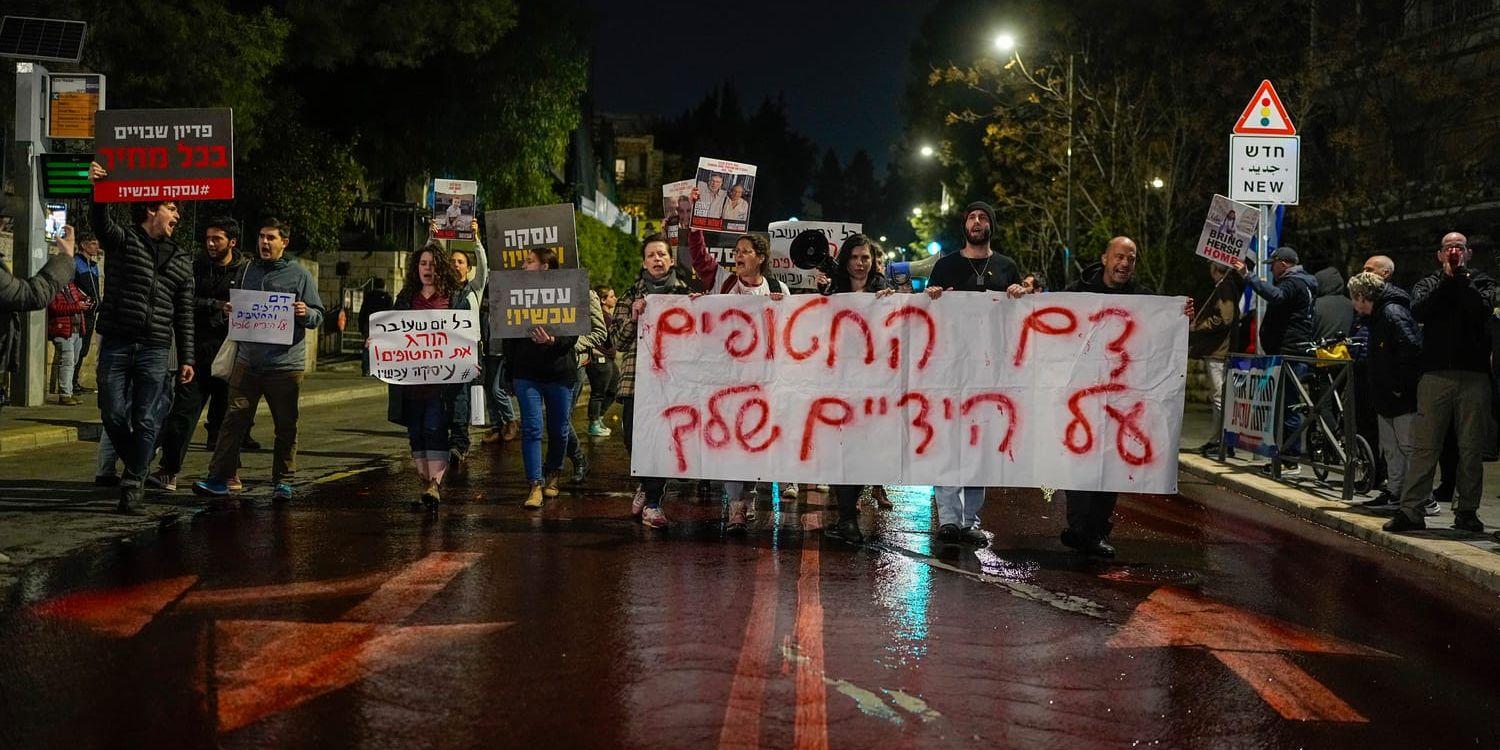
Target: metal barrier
1328, 430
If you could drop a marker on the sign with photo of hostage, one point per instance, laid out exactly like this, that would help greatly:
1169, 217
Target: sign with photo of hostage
675, 197
555, 300
1227, 231
721, 202
453, 208
511, 234
164, 155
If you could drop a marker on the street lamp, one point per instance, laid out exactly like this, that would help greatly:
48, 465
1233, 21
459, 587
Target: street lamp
916, 210
882, 238
926, 152
1157, 183
1005, 42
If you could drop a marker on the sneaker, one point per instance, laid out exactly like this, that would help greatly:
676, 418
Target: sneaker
597, 429
846, 530
974, 536
1211, 446
949, 532
534, 498
211, 487
1403, 522
1288, 469
653, 517
282, 492
1385, 501
1432, 508
132, 500
737, 520
789, 490
1468, 520
638, 502
82, 390
430, 494
162, 480
550, 488
107, 480
234, 484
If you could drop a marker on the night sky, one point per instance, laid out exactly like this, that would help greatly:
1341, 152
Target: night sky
841, 64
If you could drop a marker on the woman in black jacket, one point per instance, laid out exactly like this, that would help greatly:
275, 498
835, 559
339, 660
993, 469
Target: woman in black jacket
544, 369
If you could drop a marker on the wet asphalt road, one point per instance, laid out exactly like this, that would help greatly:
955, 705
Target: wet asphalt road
346, 620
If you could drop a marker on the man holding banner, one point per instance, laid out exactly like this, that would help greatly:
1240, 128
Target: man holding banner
270, 370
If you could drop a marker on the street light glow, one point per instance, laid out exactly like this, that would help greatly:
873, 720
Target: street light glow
933, 248
916, 210
927, 152
1157, 183
882, 238
1005, 42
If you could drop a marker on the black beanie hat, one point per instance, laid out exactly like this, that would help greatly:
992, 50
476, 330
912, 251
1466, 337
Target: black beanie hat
980, 206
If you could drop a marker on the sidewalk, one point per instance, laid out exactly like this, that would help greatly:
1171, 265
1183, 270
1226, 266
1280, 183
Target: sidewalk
1473, 557
28, 428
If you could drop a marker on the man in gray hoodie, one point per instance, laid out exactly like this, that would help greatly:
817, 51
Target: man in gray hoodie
270, 370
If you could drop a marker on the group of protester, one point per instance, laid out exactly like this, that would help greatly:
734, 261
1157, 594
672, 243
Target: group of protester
1424, 363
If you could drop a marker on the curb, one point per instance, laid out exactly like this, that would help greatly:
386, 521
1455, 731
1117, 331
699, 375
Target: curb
21, 439
1452, 556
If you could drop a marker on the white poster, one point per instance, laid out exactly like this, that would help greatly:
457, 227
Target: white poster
807, 238
423, 347
1227, 231
261, 317
453, 208
721, 195
1068, 391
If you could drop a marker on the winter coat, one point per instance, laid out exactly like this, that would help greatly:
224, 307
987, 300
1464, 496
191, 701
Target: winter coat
289, 277
455, 395
1209, 334
1287, 327
18, 295
150, 298
1394, 355
590, 346
623, 327
1092, 280
65, 313
1333, 311
212, 283
1454, 312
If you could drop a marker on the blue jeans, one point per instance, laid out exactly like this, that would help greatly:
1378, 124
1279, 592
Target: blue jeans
500, 407
557, 398
134, 383
426, 427
65, 361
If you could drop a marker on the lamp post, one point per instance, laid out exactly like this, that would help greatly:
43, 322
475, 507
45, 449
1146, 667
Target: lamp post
1005, 42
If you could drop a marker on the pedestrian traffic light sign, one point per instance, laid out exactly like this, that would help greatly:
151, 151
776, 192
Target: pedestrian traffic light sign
65, 175
1264, 115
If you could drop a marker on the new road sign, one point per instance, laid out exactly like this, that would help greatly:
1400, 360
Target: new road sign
1264, 115
1263, 168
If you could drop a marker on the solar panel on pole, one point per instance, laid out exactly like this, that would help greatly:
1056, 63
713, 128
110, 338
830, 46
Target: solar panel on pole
41, 38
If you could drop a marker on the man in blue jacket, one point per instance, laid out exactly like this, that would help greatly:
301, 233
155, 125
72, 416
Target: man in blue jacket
270, 370
1286, 328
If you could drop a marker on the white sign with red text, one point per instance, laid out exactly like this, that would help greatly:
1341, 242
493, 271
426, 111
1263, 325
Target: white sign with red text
1227, 231
1067, 391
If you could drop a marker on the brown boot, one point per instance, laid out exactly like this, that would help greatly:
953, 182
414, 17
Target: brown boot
510, 431
534, 500
550, 489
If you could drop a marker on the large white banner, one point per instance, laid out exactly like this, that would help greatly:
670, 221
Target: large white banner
422, 347
1068, 391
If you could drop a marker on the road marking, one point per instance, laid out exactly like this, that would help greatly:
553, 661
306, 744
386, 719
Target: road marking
281, 593
810, 728
120, 612
747, 691
1252, 645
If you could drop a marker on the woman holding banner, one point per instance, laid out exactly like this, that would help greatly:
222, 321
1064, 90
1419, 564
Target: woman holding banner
426, 411
656, 277
544, 369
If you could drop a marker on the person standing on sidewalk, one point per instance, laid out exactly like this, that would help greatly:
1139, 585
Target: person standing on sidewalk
975, 268
86, 276
604, 374
1454, 306
1286, 329
270, 370
1210, 337
216, 270
148, 309
544, 368
1089, 512
1394, 361
64, 328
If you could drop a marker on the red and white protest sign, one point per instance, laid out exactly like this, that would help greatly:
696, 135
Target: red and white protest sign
1068, 391
165, 155
424, 347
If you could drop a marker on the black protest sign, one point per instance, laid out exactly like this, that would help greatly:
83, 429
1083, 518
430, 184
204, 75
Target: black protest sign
511, 234
165, 155
555, 300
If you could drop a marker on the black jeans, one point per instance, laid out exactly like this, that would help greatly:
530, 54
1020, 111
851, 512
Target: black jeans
187, 407
655, 487
848, 499
604, 380
1089, 513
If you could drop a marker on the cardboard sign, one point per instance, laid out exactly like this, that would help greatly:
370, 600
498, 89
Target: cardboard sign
511, 233
262, 317
1069, 391
165, 155
424, 347
785, 233
722, 195
453, 208
1227, 231
555, 300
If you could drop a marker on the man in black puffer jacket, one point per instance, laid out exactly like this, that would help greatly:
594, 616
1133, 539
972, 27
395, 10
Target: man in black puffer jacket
149, 308
1395, 365
1089, 512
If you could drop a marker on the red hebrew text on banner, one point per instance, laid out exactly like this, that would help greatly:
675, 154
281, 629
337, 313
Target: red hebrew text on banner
1070, 391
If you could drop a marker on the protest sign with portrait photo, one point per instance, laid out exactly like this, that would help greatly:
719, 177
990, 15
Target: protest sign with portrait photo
723, 190
1227, 231
511, 234
454, 208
